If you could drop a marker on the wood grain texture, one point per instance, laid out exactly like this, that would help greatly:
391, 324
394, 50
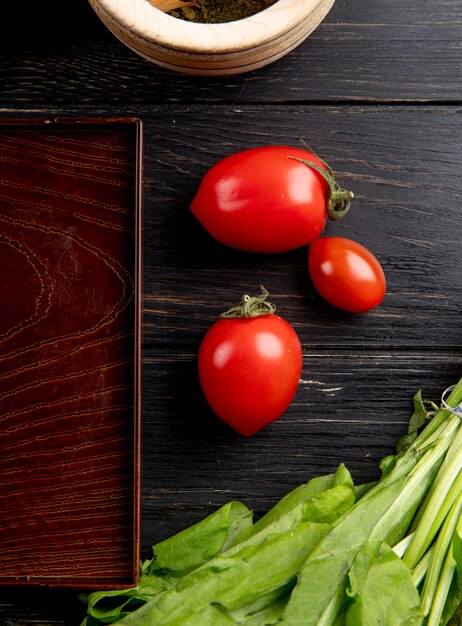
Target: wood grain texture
374, 51
68, 401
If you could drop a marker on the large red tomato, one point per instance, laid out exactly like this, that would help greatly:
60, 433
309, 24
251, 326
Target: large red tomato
249, 367
346, 274
267, 200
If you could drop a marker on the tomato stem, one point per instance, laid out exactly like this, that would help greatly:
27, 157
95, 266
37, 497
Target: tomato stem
251, 306
338, 199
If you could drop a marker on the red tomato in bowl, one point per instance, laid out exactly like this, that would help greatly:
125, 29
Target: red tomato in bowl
266, 200
249, 369
346, 274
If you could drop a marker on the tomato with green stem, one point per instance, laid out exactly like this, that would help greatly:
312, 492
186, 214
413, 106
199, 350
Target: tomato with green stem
269, 199
249, 362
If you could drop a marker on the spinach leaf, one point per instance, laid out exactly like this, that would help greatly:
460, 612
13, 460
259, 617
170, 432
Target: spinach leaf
174, 557
377, 570
263, 566
328, 564
300, 494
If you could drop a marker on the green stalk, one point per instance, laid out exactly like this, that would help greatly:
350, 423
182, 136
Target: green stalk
454, 399
452, 497
456, 445
338, 199
396, 520
435, 511
401, 547
400, 492
439, 554
444, 583
444, 424
447, 574
420, 570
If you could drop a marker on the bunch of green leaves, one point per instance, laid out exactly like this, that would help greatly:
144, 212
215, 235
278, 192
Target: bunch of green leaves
370, 584
433, 549
327, 554
207, 563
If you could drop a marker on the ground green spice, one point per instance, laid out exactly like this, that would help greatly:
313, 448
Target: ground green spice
216, 11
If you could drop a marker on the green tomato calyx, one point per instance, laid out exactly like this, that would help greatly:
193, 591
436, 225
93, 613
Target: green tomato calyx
338, 199
251, 306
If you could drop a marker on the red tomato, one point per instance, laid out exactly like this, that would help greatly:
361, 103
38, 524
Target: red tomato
265, 200
346, 274
249, 370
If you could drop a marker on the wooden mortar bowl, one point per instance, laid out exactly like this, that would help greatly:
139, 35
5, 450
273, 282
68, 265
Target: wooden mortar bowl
212, 49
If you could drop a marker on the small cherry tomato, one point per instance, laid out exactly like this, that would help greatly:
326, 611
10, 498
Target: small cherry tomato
268, 199
250, 362
346, 274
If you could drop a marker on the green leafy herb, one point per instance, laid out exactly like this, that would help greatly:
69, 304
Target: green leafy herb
417, 421
329, 553
196, 545
264, 567
173, 557
375, 568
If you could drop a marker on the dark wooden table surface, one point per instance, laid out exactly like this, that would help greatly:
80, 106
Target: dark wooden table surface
377, 90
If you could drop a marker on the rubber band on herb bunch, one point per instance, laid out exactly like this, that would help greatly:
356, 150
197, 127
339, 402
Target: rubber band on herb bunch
251, 306
338, 199
445, 396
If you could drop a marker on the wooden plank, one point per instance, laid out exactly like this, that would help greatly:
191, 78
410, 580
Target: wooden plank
379, 50
40, 607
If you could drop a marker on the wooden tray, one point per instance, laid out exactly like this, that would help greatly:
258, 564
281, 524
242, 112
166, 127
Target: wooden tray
70, 337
